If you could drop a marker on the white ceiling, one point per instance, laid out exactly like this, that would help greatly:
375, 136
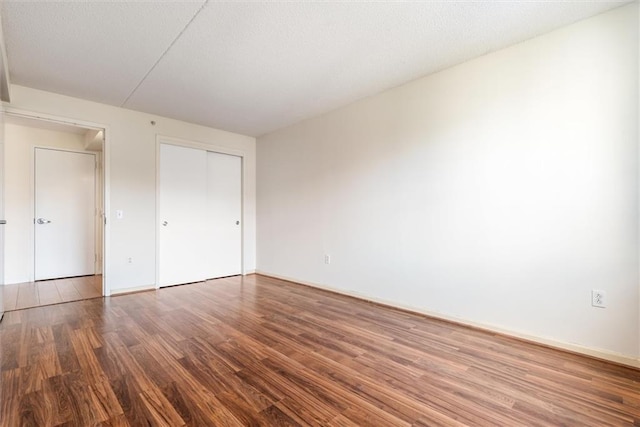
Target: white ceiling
253, 67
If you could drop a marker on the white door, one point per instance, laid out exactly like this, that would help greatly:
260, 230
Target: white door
182, 215
64, 214
2, 220
224, 187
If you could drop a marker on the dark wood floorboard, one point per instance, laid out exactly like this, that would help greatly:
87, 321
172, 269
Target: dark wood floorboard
250, 351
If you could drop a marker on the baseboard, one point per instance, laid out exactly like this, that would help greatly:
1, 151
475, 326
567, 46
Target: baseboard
131, 290
559, 345
248, 272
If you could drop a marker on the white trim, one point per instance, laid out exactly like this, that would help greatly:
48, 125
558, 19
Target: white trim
106, 176
122, 291
180, 142
2, 247
157, 236
106, 193
242, 217
600, 354
99, 222
11, 111
638, 181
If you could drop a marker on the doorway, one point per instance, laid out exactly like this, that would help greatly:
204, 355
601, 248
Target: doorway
54, 208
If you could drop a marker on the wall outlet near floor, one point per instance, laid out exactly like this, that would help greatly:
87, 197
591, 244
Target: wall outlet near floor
598, 298
129, 260
327, 259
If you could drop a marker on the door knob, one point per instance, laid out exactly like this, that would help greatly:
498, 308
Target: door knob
165, 223
237, 222
43, 221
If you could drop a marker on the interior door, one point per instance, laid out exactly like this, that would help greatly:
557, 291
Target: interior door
182, 215
2, 220
224, 188
64, 214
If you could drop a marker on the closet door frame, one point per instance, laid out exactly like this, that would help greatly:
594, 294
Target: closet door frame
163, 139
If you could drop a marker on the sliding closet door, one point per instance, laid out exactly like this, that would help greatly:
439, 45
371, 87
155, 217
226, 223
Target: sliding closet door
224, 214
183, 215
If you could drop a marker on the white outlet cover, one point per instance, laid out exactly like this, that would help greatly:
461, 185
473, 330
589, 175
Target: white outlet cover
598, 298
119, 214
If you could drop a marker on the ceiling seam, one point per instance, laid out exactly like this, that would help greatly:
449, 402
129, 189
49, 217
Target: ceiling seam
155, 64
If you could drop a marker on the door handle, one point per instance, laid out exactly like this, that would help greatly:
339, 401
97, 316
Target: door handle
3, 221
43, 221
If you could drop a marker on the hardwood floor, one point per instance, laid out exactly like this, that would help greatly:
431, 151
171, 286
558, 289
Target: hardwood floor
47, 292
259, 351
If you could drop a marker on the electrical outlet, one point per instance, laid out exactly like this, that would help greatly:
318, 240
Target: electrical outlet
327, 259
129, 260
598, 298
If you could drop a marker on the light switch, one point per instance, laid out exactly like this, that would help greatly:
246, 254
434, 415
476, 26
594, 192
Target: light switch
119, 214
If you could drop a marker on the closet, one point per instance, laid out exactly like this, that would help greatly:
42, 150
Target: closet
200, 212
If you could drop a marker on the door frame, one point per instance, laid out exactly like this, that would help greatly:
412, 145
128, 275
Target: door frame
96, 192
2, 226
165, 139
105, 184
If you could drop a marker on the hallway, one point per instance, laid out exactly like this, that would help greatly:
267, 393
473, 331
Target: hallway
47, 292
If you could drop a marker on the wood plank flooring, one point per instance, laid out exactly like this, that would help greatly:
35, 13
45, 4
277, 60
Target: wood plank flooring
47, 292
258, 351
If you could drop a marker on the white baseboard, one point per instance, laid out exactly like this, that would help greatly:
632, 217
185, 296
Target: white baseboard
248, 272
121, 291
599, 354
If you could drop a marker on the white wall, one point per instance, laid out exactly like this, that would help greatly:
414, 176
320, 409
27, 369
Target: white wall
500, 191
131, 178
20, 142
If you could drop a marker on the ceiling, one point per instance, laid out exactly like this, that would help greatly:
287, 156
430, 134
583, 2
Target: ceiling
254, 67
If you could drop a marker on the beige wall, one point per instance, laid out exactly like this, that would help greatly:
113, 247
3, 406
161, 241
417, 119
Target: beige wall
131, 178
499, 192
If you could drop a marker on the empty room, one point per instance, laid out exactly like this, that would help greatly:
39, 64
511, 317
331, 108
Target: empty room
311, 213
